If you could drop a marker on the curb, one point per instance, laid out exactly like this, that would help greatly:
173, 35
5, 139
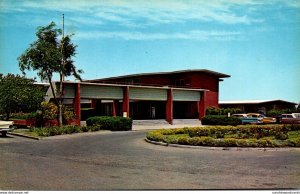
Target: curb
221, 148
22, 135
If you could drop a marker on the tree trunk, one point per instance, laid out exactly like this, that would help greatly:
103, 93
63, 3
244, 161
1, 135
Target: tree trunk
60, 114
7, 115
60, 119
52, 89
57, 102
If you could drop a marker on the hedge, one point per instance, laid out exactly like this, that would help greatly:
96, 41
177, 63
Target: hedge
222, 111
111, 123
67, 129
224, 136
220, 120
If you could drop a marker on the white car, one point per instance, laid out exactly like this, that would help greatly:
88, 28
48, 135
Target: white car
5, 126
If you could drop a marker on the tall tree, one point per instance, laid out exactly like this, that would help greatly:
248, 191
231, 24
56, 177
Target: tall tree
49, 55
19, 94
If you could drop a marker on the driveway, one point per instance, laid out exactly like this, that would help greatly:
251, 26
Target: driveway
123, 160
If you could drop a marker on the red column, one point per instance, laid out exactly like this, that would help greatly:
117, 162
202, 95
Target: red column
94, 104
76, 104
202, 105
126, 101
169, 108
114, 108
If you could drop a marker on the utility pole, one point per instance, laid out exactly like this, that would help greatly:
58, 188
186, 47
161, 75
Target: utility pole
62, 45
62, 74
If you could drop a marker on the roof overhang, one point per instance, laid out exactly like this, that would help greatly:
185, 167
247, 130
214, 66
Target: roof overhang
253, 102
213, 73
133, 86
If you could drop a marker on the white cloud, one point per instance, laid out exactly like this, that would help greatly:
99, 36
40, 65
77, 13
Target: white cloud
135, 35
122, 15
155, 11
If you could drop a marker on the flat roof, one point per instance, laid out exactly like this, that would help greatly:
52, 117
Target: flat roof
252, 101
216, 74
134, 86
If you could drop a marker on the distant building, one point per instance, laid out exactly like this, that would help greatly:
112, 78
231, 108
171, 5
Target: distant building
162, 95
261, 106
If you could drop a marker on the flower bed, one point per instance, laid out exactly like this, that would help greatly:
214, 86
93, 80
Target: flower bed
46, 122
228, 136
56, 130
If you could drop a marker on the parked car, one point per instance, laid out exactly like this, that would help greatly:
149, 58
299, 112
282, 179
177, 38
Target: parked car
254, 118
293, 118
247, 119
262, 118
5, 126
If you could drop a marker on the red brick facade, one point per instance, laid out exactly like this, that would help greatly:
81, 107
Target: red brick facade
204, 82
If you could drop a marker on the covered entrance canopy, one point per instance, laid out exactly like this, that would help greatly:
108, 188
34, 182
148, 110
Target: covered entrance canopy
137, 102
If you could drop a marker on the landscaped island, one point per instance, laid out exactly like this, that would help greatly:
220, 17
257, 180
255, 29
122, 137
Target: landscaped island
231, 136
93, 124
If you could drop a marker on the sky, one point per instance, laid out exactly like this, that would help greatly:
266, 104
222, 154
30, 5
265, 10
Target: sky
257, 43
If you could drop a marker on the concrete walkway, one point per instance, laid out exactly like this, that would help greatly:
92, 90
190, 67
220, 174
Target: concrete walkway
163, 124
160, 124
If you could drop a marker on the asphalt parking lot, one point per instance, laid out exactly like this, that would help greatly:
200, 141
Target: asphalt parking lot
123, 160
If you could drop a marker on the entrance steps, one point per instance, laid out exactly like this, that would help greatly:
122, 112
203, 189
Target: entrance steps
194, 122
150, 122
163, 124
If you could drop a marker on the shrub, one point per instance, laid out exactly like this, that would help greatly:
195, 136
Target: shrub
294, 142
222, 111
292, 127
95, 127
194, 141
199, 131
66, 129
275, 112
219, 134
220, 120
155, 135
183, 140
281, 135
49, 110
241, 136
19, 115
228, 142
168, 132
212, 111
68, 113
111, 123
69, 129
85, 128
170, 139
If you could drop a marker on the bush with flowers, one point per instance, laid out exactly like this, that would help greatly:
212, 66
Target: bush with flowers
226, 136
